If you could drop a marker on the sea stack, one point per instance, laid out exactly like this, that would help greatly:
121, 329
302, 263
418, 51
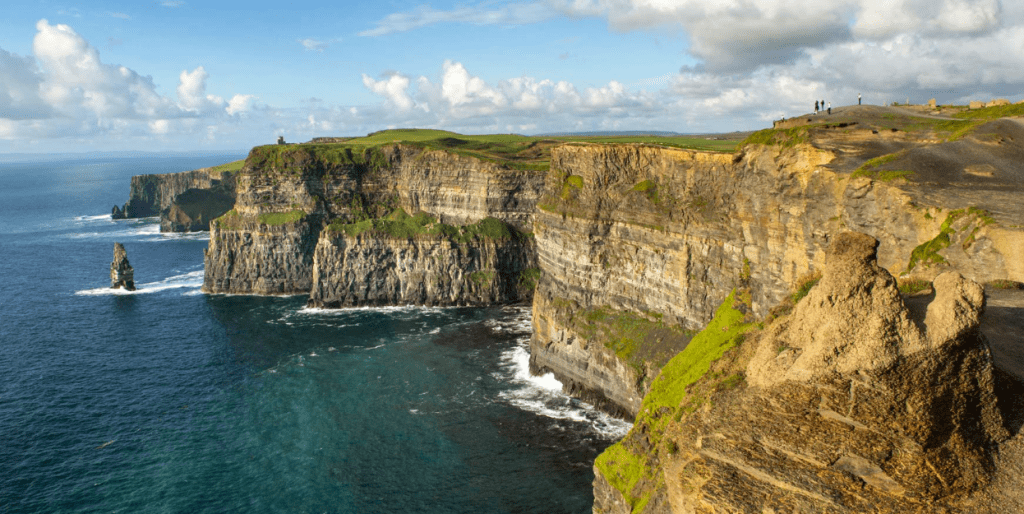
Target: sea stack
121, 273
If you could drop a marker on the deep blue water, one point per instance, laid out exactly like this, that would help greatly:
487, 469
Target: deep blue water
169, 400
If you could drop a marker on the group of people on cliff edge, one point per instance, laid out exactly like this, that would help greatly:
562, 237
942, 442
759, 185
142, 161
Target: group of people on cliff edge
821, 106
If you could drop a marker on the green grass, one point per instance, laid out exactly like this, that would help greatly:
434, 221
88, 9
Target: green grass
529, 278
992, 113
400, 225
231, 220
625, 464
870, 168
481, 278
1004, 284
516, 151
928, 252
785, 138
231, 167
910, 286
804, 287
281, 218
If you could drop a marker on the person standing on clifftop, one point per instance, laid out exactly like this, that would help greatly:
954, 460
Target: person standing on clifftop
830, 108
858, 98
815, 107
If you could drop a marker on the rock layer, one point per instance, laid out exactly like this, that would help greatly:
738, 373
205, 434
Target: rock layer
122, 275
852, 404
669, 233
185, 201
250, 252
373, 270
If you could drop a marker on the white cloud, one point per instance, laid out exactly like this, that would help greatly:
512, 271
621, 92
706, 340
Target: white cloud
19, 89
67, 90
192, 93
314, 44
460, 99
172, 3
393, 89
483, 14
240, 103
120, 15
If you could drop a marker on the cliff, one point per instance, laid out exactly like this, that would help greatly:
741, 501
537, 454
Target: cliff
381, 268
185, 201
276, 240
639, 244
852, 402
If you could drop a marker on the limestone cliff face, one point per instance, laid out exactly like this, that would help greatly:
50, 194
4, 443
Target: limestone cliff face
152, 194
668, 233
851, 403
305, 187
185, 201
370, 269
245, 256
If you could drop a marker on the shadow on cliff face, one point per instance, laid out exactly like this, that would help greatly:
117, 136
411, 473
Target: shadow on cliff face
1002, 324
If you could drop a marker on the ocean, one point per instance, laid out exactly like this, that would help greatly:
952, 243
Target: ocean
170, 400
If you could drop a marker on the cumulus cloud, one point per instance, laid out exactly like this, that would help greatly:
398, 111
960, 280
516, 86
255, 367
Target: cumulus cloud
392, 88
240, 103
457, 98
67, 90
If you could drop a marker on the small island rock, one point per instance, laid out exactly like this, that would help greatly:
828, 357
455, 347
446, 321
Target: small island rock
121, 272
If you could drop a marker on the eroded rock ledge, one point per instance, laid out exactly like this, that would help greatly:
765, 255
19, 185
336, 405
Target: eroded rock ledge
851, 403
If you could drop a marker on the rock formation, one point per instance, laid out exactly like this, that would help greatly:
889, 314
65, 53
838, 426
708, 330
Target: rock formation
851, 403
185, 201
274, 241
377, 269
121, 272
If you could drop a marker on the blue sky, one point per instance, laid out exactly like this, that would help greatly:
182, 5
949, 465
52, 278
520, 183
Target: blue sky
186, 75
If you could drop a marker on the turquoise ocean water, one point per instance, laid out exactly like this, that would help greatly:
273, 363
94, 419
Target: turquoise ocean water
169, 400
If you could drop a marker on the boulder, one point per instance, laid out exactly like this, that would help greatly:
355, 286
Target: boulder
976, 104
121, 272
998, 102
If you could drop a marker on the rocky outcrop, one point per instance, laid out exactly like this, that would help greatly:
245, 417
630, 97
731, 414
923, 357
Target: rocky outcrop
194, 209
665, 234
122, 275
151, 194
185, 201
851, 403
291, 193
374, 269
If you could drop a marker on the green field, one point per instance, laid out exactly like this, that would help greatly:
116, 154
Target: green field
512, 150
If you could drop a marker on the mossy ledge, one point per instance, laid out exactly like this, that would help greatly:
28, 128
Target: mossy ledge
400, 225
684, 385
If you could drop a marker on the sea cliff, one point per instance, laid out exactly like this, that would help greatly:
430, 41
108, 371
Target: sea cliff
639, 245
334, 221
185, 201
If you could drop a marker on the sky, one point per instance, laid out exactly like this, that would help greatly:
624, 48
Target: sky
185, 75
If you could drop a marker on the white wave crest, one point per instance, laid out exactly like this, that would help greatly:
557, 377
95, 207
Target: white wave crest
101, 217
192, 279
543, 395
